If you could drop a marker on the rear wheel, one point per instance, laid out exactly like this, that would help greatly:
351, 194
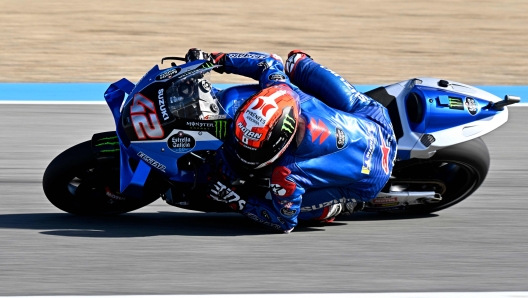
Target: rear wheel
77, 183
459, 170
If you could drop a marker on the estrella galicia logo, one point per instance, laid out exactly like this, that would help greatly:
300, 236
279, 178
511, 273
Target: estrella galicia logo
168, 74
181, 142
340, 138
276, 77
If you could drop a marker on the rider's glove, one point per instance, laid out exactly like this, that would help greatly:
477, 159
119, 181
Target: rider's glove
197, 54
221, 193
217, 58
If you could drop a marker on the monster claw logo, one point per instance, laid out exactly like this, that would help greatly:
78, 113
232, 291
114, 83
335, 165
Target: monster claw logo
111, 144
207, 64
288, 124
220, 128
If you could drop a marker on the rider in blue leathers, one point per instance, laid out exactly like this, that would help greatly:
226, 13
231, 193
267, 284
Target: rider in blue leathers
343, 149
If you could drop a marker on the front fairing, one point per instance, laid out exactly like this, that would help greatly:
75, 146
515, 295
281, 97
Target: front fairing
162, 138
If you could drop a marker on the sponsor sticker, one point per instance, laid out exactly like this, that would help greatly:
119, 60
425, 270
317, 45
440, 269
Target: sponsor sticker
265, 214
168, 73
196, 70
199, 125
161, 102
340, 138
287, 212
385, 151
318, 130
247, 56
367, 155
181, 142
471, 105
325, 204
151, 161
455, 103
248, 134
289, 124
259, 220
276, 77
112, 195
256, 115
384, 200
218, 128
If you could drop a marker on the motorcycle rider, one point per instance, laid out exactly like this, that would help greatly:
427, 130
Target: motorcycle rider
327, 147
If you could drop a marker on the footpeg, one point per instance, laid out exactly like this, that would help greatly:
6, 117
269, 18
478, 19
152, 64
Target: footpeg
436, 199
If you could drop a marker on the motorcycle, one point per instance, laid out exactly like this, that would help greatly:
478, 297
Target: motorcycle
155, 152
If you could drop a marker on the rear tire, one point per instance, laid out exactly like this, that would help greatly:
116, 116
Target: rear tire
462, 168
76, 183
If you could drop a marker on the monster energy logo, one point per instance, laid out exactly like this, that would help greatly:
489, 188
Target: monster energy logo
288, 124
220, 128
109, 141
207, 65
456, 103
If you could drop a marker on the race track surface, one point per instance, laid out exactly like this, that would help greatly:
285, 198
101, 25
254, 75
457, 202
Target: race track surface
479, 245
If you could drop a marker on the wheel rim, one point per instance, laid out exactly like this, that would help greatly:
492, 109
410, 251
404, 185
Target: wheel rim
96, 191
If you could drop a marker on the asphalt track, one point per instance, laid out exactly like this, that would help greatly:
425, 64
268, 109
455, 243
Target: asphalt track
479, 245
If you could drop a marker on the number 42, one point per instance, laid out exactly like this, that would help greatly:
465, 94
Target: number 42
144, 118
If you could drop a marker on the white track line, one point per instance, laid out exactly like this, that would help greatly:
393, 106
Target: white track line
326, 295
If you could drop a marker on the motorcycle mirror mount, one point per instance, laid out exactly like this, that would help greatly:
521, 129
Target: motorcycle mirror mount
172, 58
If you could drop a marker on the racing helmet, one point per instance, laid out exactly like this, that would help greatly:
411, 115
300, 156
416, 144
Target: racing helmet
265, 125
192, 98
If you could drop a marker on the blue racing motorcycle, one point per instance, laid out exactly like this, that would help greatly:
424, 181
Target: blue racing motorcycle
165, 141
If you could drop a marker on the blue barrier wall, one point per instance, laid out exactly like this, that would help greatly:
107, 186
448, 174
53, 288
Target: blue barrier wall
95, 91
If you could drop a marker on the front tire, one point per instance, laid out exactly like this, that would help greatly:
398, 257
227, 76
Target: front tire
76, 183
462, 168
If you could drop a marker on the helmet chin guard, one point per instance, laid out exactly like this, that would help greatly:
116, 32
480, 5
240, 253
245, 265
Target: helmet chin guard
265, 125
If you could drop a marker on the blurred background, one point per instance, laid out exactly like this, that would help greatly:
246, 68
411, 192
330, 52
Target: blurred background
482, 42
478, 245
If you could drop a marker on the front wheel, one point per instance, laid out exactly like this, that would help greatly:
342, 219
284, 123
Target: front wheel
460, 168
76, 183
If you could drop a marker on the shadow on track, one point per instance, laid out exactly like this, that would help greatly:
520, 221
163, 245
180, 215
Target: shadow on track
164, 223
372, 216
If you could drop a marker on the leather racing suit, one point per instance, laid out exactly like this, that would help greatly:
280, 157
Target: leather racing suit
345, 157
